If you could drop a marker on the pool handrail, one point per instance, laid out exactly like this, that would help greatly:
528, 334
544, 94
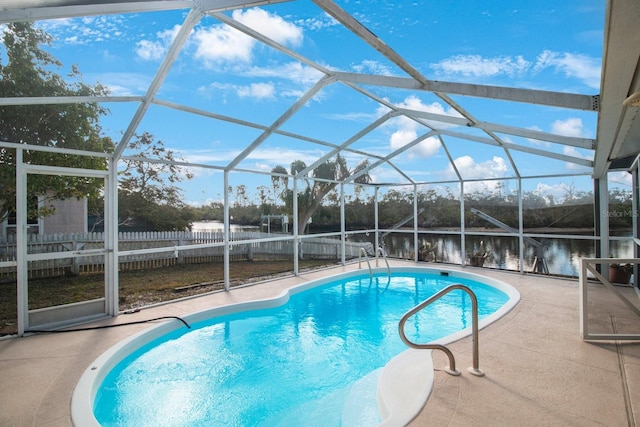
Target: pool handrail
363, 251
451, 369
384, 255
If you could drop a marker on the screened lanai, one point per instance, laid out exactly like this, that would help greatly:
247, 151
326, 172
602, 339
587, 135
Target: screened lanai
336, 124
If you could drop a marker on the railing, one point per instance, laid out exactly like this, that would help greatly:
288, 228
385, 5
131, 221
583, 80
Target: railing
78, 253
451, 368
363, 251
589, 265
384, 255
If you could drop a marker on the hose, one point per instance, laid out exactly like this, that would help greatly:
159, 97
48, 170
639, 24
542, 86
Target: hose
91, 328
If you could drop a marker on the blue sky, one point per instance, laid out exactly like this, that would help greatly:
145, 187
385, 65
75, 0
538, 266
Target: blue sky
545, 45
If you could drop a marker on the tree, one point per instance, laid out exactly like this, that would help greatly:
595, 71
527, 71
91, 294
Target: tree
147, 189
328, 175
29, 71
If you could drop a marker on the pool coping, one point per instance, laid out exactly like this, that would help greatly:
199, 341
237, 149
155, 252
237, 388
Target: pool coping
405, 382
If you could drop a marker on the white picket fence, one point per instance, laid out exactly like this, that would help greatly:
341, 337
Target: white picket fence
311, 247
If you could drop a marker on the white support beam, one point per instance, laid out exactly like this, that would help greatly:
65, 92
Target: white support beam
380, 121
296, 237
47, 149
35, 10
586, 143
603, 212
51, 100
541, 97
463, 243
474, 122
395, 153
22, 273
415, 223
63, 171
343, 226
111, 240
216, 116
227, 232
181, 38
371, 39
450, 157
520, 227
269, 42
376, 218
281, 120
515, 147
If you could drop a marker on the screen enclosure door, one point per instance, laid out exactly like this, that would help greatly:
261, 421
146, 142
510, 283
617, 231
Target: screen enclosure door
63, 268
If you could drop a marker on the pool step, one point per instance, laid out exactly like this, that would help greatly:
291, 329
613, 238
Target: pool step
360, 408
351, 406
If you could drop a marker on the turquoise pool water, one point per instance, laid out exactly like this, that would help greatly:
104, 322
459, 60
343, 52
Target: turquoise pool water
312, 361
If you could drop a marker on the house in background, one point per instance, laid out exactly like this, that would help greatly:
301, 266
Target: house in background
70, 216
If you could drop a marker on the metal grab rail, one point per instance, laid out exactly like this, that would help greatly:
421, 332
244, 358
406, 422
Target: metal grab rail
381, 252
366, 257
451, 369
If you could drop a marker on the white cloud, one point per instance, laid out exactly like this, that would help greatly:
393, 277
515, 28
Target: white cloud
273, 26
86, 30
257, 91
407, 129
122, 84
293, 71
470, 169
582, 67
254, 90
425, 149
372, 67
263, 158
574, 152
402, 137
572, 65
477, 66
356, 116
568, 127
221, 43
220, 154
556, 192
150, 51
153, 50
318, 23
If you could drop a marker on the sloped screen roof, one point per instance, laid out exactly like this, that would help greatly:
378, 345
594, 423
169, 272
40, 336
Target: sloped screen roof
425, 92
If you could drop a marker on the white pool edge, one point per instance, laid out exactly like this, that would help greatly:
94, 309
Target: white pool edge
405, 382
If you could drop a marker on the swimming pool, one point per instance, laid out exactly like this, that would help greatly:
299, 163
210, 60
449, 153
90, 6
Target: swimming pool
313, 356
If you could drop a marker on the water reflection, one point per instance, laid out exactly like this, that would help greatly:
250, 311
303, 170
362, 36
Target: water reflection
562, 256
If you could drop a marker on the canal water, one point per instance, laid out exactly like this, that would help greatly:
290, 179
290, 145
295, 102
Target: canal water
560, 256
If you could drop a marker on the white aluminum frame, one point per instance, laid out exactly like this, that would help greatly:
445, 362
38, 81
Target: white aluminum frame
590, 265
53, 317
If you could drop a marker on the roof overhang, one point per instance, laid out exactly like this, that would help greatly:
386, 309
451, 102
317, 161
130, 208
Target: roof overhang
618, 134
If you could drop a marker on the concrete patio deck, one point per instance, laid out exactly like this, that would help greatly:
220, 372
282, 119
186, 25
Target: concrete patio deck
539, 372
